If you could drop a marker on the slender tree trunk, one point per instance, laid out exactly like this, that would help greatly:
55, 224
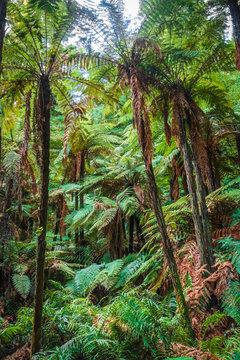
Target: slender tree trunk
3, 13
131, 229
44, 104
207, 234
234, 8
186, 153
168, 251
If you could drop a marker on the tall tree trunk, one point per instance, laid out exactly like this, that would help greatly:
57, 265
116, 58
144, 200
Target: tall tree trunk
234, 8
187, 159
3, 13
168, 251
44, 105
207, 234
131, 229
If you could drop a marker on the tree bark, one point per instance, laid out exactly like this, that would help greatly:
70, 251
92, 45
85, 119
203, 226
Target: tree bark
168, 251
207, 234
3, 13
204, 217
187, 159
234, 8
44, 105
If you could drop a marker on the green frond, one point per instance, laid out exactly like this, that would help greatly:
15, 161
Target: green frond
11, 163
22, 284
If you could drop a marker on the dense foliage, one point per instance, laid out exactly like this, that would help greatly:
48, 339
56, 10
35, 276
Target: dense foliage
119, 180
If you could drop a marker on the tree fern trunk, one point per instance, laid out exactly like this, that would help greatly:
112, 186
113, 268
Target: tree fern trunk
168, 251
44, 108
142, 122
234, 8
3, 13
187, 159
204, 217
202, 189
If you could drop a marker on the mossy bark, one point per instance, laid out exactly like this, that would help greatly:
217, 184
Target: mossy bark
44, 108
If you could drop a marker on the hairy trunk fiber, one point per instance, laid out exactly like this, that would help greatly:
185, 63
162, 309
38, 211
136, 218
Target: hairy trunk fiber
204, 217
131, 229
174, 185
3, 13
234, 8
44, 108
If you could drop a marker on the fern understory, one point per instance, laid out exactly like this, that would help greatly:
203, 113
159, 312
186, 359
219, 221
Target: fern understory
126, 309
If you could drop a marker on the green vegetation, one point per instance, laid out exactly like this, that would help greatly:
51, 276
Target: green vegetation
119, 180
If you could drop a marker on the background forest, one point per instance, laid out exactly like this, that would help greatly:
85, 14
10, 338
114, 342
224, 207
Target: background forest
119, 180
